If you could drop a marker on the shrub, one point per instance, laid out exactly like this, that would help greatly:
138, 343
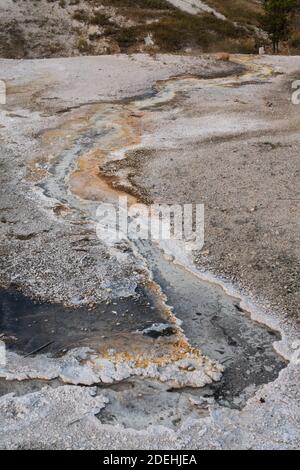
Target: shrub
145, 4
55, 47
100, 19
83, 45
126, 37
81, 15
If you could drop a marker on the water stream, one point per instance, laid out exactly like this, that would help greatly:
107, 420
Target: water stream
212, 321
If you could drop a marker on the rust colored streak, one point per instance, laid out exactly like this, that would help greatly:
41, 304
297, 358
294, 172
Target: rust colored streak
88, 183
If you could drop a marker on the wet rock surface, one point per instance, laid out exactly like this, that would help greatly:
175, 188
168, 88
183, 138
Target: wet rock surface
28, 326
140, 404
55, 179
215, 323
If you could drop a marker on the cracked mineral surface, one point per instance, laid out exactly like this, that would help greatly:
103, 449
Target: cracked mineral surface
131, 344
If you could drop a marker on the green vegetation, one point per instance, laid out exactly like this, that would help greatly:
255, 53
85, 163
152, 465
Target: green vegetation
100, 19
181, 30
276, 20
126, 37
83, 46
175, 31
172, 29
82, 16
145, 4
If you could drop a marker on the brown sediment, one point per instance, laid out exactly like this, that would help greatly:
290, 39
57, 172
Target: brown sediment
28, 87
87, 181
28, 94
61, 209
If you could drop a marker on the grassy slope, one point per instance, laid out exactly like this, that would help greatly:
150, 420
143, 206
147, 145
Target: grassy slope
46, 28
242, 11
175, 30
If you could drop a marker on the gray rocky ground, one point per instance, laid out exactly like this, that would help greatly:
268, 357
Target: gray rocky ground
76, 132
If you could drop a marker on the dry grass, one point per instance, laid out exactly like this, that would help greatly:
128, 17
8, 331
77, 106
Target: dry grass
81, 15
143, 4
100, 19
172, 29
242, 11
175, 31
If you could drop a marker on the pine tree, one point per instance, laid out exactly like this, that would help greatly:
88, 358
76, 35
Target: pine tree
276, 19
